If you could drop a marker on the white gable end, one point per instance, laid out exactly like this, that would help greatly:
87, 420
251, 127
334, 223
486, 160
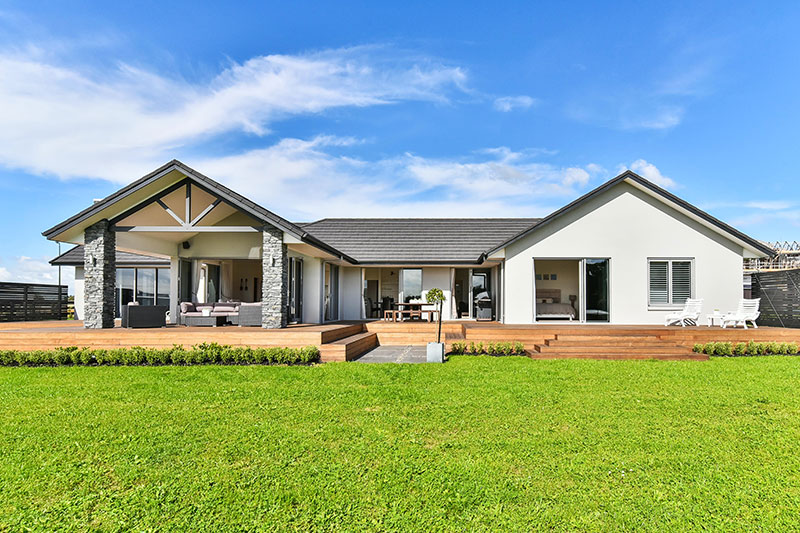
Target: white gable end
626, 226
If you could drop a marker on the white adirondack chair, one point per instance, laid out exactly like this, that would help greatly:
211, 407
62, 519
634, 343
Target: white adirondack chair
689, 313
747, 312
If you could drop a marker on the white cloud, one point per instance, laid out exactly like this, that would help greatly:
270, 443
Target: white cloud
25, 269
766, 205
650, 172
117, 124
508, 103
769, 205
303, 180
774, 222
659, 119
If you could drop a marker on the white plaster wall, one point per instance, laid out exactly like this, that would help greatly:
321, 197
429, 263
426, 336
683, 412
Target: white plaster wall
174, 301
224, 246
390, 283
438, 277
248, 270
312, 288
350, 290
78, 293
628, 227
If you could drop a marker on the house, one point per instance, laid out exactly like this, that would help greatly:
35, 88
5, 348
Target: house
139, 277
627, 252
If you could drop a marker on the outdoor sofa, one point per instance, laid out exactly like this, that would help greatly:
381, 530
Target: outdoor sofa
234, 313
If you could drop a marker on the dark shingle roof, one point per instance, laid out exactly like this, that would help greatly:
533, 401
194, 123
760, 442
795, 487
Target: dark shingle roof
74, 257
418, 241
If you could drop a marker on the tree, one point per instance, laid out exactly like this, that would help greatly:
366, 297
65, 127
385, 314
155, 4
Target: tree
436, 296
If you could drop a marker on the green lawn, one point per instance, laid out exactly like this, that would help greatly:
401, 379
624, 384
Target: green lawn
476, 444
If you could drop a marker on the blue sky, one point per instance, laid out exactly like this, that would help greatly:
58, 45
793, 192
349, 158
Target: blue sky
368, 108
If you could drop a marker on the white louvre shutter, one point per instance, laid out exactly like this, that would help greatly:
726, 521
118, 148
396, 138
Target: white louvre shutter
658, 282
681, 281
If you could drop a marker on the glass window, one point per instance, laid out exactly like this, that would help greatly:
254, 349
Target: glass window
681, 281
162, 286
412, 284
124, 292
669, 281
145, 286
659, 292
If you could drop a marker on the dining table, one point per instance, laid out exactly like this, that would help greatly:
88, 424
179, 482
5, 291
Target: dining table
412, 308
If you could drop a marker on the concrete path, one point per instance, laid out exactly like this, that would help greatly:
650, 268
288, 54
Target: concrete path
395, 354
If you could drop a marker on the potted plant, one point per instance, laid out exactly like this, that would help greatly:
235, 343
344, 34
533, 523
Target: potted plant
436, 297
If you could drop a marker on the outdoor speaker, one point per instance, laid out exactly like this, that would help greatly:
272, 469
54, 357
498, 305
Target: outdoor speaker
185, 245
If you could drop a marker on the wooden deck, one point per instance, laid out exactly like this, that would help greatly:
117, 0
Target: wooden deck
346, 341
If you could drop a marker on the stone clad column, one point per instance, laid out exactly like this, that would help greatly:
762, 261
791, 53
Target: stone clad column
274, 279
100, 275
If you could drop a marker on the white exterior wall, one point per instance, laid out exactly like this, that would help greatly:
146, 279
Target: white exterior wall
350, 293
223, 246
174, 290
437, 277
628, 227
312, 288
78, 293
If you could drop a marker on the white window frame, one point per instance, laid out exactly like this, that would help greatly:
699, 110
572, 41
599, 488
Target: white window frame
669, 260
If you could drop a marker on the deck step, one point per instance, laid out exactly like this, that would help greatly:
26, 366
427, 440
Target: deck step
622, 343
594, 337
687, 356
348, 348
587, 349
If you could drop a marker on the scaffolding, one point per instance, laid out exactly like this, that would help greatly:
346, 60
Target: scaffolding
786, 257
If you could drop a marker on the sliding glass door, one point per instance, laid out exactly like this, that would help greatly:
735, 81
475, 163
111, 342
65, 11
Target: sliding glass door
331, 292
595, 291
295, 296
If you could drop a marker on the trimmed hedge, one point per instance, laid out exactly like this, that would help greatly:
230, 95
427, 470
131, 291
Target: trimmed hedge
201, 354
489, 348
739, 349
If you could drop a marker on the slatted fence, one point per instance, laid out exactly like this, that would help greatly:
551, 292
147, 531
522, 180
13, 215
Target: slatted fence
30, 301
780, 297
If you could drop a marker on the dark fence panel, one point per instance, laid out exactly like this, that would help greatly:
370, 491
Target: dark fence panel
780, 297
29, 301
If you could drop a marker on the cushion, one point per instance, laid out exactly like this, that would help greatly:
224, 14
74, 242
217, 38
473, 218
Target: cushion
187, 307
133, 303
192, 313
224, 308
251, 304
544, 300
200, 307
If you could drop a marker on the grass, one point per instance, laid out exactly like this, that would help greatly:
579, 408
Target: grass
479, 443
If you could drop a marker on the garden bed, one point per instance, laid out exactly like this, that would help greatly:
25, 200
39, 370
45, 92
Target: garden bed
200, 354
746, 349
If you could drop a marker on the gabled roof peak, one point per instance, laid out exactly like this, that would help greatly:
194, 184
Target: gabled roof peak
657, 192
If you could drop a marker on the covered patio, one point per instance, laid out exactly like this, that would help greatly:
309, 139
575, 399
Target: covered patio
216, 247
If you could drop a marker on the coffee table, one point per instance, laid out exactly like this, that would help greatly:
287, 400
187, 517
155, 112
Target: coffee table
212, 321
714, 317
